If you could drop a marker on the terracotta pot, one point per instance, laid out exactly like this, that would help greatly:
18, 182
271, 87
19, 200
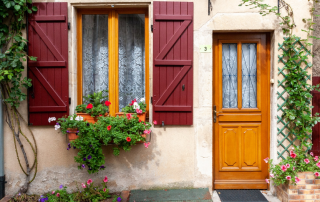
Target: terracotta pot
140, 142
88, 118
141, 117
72, 134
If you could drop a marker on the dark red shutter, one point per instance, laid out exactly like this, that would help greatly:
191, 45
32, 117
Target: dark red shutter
48, 41
173, 62
316, 109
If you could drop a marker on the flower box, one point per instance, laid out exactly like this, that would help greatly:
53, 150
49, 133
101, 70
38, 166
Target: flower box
307, 189
88, 118
142, 117
72, 134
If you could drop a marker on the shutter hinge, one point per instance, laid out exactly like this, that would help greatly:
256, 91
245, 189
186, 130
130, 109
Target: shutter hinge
69, 26
152, 28
151, 100
69, 100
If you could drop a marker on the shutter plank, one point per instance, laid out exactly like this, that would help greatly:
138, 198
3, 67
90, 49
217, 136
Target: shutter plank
173, 65
48, 41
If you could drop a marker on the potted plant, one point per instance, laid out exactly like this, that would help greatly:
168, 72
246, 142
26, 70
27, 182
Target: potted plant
134, 107
70, 125
98, 105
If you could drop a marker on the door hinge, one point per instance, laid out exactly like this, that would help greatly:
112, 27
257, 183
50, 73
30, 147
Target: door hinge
152, 28
69, 26
151, 100
69, 100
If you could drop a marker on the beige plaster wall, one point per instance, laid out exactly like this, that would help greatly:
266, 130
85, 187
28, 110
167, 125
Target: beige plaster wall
178, 156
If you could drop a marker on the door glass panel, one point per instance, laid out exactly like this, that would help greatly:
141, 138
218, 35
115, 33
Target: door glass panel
229, 76
131, 58
95, 56
249, 75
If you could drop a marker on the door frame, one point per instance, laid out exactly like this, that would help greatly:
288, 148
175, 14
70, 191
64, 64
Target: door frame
215, 65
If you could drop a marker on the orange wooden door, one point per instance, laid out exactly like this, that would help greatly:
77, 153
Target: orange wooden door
241, 97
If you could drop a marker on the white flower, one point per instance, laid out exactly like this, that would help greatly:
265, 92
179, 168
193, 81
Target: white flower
79, 118
71, 118
51, 119
56, 127
136, 105
142, 100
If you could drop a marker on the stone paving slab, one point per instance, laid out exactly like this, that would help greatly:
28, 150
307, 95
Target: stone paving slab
177, 195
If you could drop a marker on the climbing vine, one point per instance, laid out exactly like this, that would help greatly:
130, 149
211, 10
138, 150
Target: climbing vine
12, 55
297, 109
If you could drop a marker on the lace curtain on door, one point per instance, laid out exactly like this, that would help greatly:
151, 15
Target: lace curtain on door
95, 58
131, 58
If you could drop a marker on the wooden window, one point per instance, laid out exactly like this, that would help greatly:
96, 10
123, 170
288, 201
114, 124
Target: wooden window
112, 20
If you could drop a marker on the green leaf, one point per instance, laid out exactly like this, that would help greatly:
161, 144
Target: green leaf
34, 8
17, 7
8, 5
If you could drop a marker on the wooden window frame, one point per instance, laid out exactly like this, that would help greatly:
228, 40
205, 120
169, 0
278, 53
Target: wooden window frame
113, 52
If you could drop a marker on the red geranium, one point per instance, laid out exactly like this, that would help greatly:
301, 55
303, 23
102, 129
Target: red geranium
139, 120
128, 139
89, 106
107, 103
132, 101
109, 127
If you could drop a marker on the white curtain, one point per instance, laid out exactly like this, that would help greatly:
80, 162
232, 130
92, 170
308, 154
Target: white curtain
249, 75
131, 58
229, 76
95, 56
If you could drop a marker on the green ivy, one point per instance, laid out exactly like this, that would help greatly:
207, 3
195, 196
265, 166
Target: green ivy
13, 49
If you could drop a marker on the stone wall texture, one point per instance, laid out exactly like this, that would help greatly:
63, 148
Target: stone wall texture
316, 43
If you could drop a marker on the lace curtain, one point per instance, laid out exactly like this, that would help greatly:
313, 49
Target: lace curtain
249, 75
95, 56
131, 58
229, 76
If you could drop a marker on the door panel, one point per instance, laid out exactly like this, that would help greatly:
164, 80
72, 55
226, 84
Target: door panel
241, 106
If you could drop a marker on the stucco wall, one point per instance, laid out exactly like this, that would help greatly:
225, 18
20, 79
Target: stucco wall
178, 156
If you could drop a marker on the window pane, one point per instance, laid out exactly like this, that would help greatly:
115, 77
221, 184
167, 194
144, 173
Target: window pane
131, 58
229, 76
95, 56
249, 75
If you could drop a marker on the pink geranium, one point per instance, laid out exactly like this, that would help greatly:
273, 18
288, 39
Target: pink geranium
293, 168
58, 195
283, 168
293, 155
316, 158
288, 177
267, 181
105, 179
146, 131
83, 185
105, 189
129, 116
316, 174
266, 159
311, 153
89, 181
271, 175
155, 122
297, 180
146, 144
139, 111
306, 161
288, 165
53, 192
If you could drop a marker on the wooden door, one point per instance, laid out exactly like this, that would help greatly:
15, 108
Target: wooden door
241, 97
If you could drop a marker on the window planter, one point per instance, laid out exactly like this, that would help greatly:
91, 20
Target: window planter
307, 189
142, 117
88, 118
72, 134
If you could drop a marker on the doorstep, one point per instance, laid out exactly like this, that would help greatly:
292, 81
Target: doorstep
267, 194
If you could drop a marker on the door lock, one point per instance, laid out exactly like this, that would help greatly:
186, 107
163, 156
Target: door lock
214, 114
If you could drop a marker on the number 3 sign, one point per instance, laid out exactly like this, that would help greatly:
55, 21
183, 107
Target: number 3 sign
205, 49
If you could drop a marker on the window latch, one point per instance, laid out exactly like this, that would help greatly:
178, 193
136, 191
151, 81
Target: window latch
152, 28
151, 100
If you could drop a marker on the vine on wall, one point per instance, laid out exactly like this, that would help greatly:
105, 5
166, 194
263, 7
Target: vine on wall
297, 111
12, 55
